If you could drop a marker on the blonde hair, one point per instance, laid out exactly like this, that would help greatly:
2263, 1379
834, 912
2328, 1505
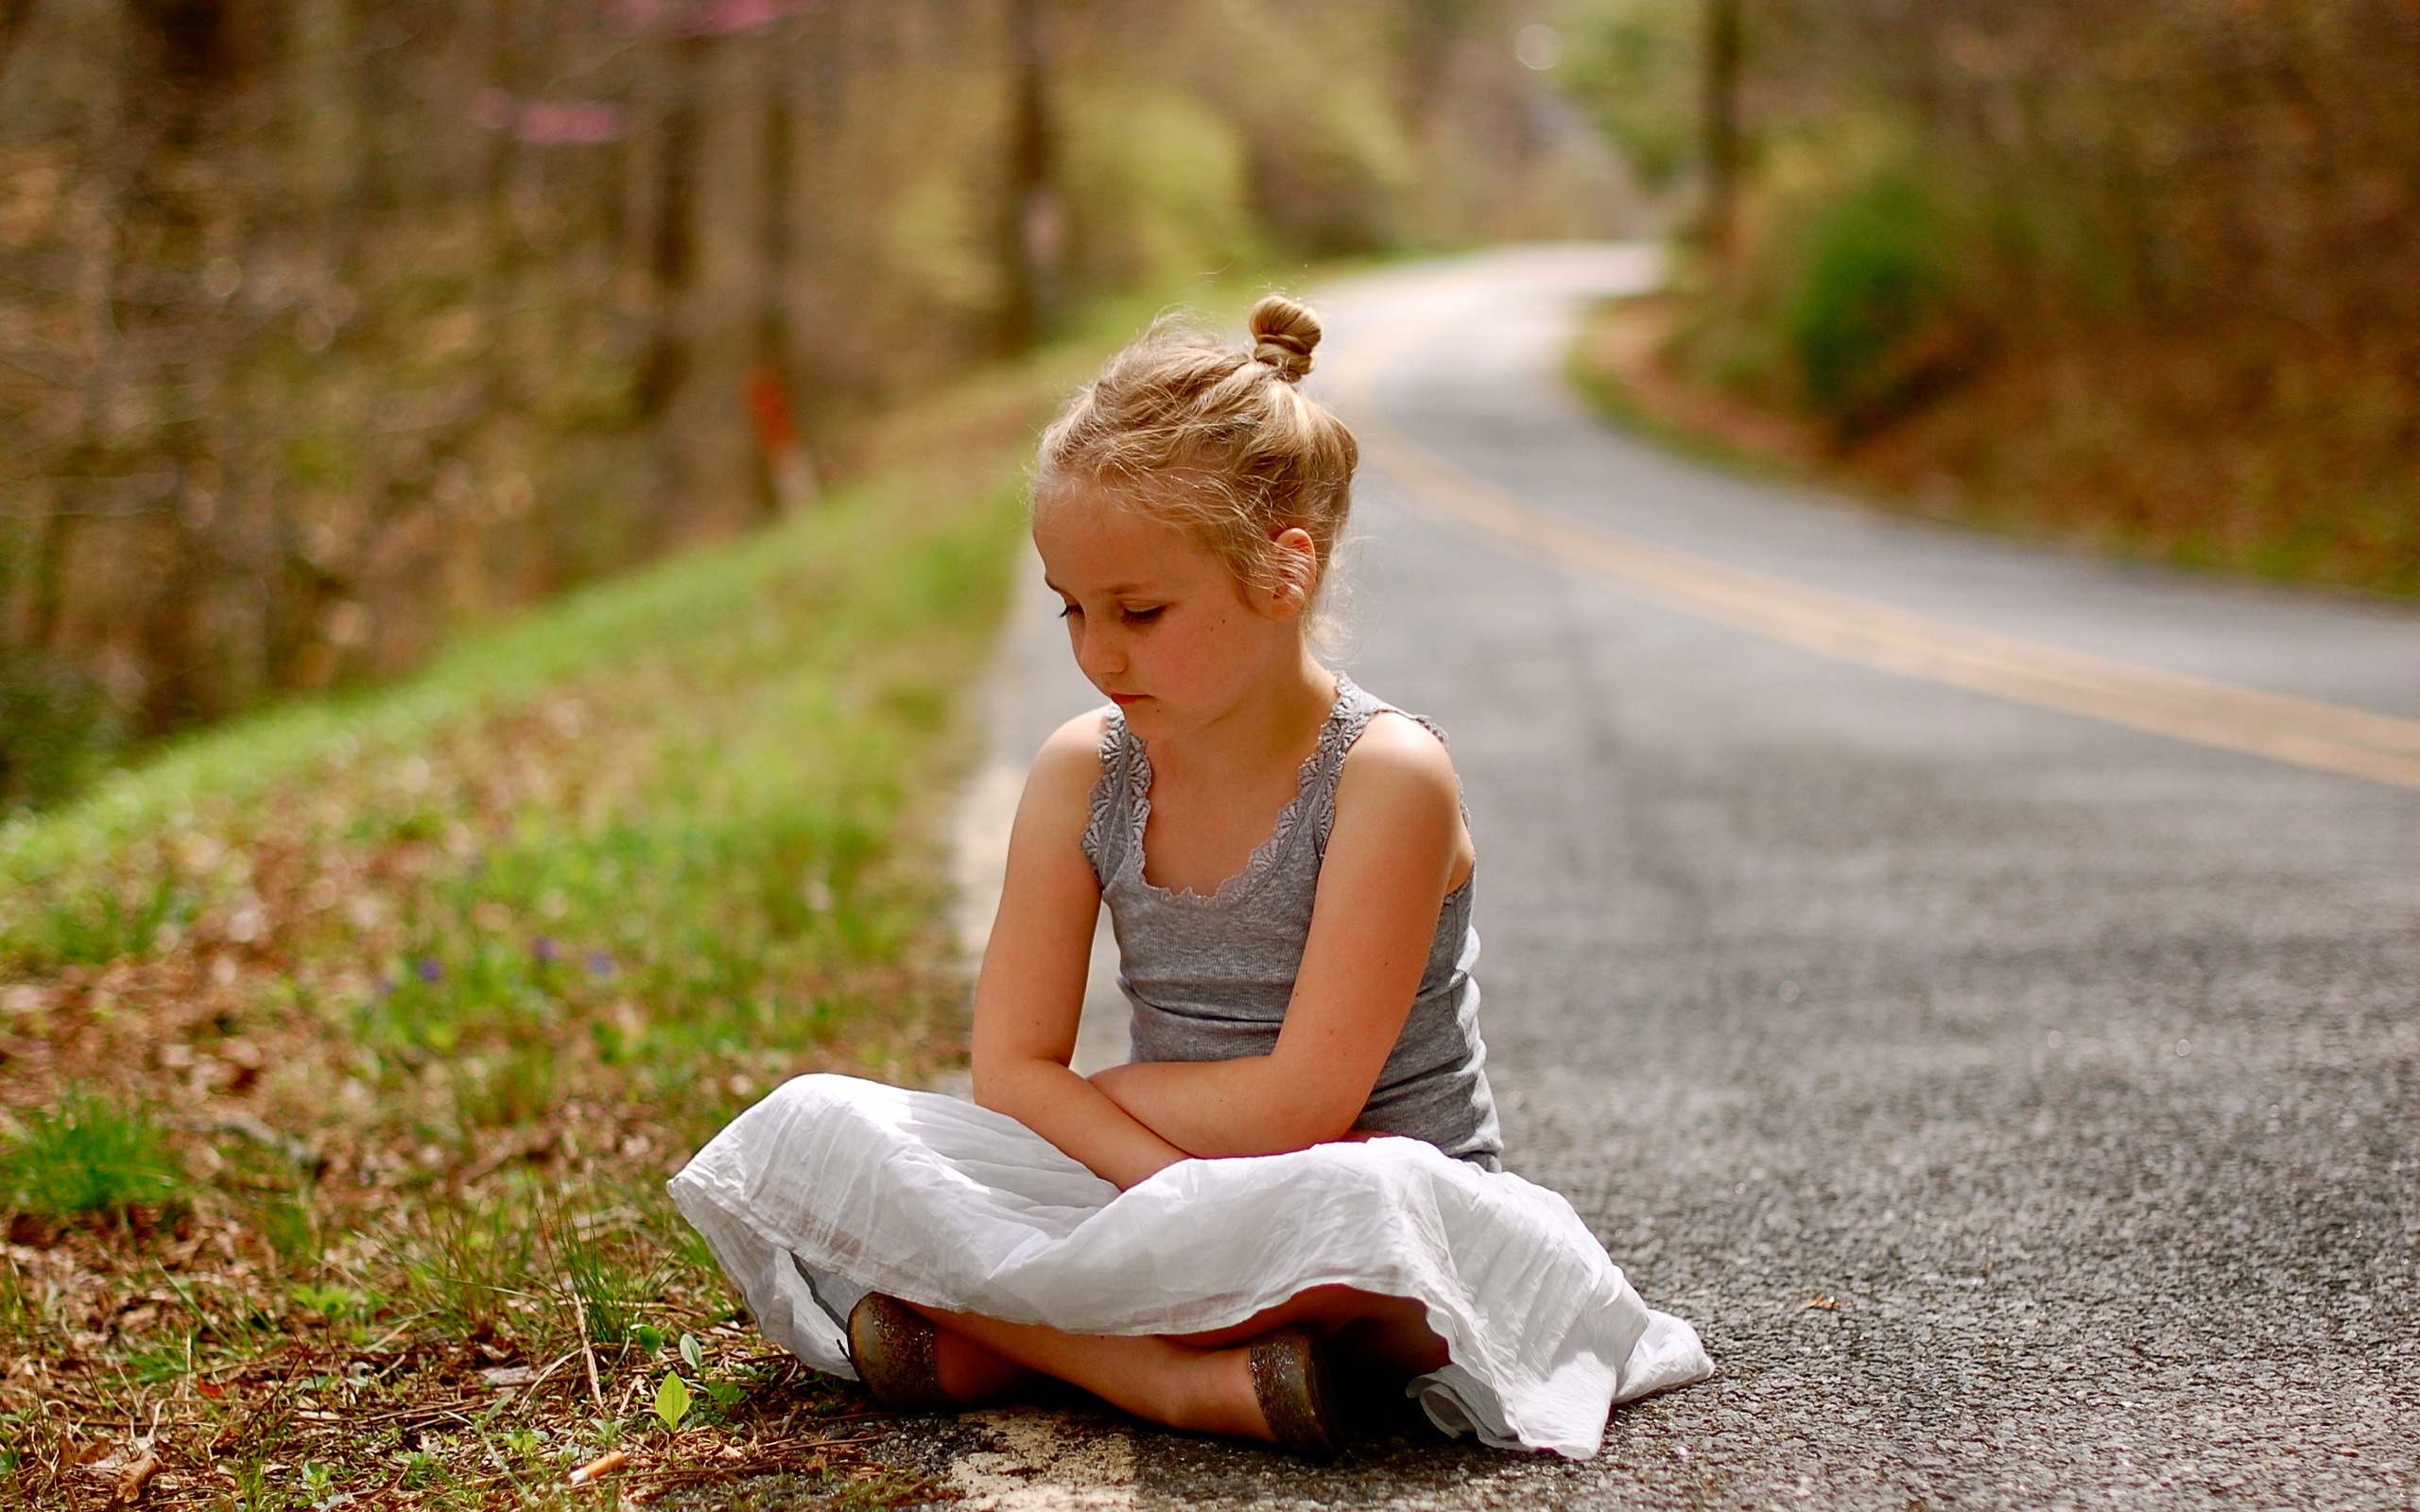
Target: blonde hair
1217, 438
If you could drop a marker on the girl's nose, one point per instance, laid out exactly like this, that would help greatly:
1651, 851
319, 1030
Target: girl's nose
1097, 655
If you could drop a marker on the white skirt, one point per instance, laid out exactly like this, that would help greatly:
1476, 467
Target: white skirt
832, 1187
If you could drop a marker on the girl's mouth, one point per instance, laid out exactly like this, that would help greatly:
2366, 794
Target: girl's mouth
1123, 699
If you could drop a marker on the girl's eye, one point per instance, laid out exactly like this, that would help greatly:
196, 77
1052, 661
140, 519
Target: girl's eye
1145, 616
1071, 612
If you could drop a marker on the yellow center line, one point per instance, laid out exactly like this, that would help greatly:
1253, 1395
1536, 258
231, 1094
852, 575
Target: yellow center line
2328, 737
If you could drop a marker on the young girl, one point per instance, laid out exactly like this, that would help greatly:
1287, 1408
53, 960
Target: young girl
1299, 1168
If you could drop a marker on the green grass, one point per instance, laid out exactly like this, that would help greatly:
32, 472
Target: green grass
88, 1154
434, 984
726, 617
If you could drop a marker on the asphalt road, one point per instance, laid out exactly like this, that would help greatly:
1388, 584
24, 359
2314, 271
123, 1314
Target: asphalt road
2025, 1107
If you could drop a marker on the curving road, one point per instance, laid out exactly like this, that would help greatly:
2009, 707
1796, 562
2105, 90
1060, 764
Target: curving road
1978, 986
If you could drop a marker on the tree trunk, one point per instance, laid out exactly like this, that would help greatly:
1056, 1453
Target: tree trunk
1721, 128
1034, 231
321, 121
719, 311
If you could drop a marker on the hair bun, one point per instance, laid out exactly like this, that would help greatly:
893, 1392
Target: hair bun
1283, 335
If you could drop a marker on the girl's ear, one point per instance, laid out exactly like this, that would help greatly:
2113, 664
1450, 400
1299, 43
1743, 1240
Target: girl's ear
1297, 563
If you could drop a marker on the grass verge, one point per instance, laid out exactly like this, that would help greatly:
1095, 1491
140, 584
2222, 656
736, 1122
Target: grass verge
347, 1048
1617, 363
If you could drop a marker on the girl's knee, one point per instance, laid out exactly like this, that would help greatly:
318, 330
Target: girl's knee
1321, 1309
1327, 1309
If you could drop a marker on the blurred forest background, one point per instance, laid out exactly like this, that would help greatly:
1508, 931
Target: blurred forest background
2143, 275
329, 325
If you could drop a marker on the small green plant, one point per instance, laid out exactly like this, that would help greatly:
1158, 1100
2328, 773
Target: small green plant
252, 1490
723, 1394
672, 1402
89, 1154
420, 1471
319, 1484
330, 1305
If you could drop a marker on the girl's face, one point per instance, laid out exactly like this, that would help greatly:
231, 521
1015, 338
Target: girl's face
1155, 620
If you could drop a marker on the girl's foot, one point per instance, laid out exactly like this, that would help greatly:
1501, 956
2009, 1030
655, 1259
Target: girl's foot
894, 1348
1292, 1383
909, 1364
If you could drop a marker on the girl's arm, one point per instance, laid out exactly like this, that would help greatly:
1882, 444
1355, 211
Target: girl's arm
1031, 991
1398, 847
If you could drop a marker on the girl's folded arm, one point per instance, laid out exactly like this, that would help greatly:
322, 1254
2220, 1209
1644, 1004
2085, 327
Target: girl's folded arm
1398, 847
1030, 993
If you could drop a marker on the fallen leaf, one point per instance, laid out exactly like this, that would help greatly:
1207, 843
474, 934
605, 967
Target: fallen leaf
509, 1375
1823, 1303
136, 1478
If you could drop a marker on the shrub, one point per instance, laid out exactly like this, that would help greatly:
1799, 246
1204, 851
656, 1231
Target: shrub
57, 726
1869, 319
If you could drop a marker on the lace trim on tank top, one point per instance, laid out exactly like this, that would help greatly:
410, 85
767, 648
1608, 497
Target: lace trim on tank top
1105, 791
1126, 774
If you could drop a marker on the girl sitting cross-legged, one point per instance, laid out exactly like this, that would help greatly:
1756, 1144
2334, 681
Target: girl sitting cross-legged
1297, 1169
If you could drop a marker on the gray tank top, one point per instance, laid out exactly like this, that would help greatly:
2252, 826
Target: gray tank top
1209, 977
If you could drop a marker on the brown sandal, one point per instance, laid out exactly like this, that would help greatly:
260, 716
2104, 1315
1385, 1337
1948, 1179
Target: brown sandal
891, 1346
1291, 1379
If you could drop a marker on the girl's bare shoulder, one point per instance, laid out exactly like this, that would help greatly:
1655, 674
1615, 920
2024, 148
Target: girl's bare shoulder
1067, 766
1399, 760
